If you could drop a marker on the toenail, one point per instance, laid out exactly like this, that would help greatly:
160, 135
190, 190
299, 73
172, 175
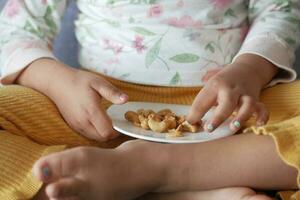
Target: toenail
46, 172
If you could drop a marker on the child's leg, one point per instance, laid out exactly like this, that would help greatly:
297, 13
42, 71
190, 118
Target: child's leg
232, 193
29, 118
139, 167
241, 160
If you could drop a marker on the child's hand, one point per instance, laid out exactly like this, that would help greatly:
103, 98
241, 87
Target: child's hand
77, 95
79, 102
235, 88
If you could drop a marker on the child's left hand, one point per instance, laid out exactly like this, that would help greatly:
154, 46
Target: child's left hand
236, 87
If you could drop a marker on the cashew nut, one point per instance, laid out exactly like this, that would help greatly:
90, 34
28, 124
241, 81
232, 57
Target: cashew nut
174, 133
156, 124
180, 119
144, 112
133, 117
163, 121
165, 112
171, 121
144, 122
189, 127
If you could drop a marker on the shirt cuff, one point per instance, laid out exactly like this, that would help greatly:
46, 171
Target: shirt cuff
19, 60
275, 51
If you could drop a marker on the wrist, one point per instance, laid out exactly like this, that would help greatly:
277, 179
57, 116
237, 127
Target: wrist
43, 75
263, 69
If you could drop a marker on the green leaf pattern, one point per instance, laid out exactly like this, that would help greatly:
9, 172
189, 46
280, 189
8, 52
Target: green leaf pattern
185, 58
150, 38
153, 53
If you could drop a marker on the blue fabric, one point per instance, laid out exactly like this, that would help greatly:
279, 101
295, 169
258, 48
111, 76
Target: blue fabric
66, 46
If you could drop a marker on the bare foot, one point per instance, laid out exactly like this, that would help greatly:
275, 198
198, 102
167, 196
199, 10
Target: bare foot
93, 173
234, 193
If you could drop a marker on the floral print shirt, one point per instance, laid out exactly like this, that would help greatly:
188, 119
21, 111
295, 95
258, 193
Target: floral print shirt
154, 42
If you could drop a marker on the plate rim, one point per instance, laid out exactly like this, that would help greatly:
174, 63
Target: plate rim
157, 139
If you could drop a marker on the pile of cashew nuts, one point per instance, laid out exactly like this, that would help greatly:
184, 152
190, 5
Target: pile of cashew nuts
163, 121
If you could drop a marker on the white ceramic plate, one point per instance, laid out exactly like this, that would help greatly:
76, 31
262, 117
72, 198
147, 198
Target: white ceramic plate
116, 112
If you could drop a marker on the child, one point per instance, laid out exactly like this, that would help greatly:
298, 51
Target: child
156, 51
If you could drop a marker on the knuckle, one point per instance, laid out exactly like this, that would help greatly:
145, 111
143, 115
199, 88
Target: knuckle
111, 91
220, 118
99, 137
76, 125
105, 88
105, 135
250, 100
83, 123
217, 81
197, 110
93, 112
231, 99
244, 116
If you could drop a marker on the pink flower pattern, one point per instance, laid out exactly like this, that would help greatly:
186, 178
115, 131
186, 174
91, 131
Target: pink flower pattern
44, 2
185, 21
115, 47
155, 10
180, 3
138, 44
12, 8
156, 36
221, 4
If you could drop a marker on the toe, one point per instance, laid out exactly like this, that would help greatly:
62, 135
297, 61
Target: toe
56, 166
256, 197
65, 188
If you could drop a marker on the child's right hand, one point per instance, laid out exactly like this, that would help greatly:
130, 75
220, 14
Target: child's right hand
77, 95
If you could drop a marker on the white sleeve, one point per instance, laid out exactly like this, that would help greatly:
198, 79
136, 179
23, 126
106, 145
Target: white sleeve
27, 29
274, 35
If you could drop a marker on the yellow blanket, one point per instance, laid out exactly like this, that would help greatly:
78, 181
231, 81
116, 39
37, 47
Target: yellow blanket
31, 126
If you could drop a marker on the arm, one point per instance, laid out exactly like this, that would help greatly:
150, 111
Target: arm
274, 35
268, 50
27, 31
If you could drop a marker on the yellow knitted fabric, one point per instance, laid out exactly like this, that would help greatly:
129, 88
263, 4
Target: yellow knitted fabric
32, 127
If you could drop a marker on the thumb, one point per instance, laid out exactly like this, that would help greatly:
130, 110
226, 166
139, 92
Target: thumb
109, 92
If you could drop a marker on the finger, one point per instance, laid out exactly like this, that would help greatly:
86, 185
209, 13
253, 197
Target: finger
262, 114
205, 99
246, 110
65, 188
109, 91
87, 129
227, 102
100, 122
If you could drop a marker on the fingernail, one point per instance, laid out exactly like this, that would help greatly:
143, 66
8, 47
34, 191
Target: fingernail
210, 127
123, 97
237, 124
46, 172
